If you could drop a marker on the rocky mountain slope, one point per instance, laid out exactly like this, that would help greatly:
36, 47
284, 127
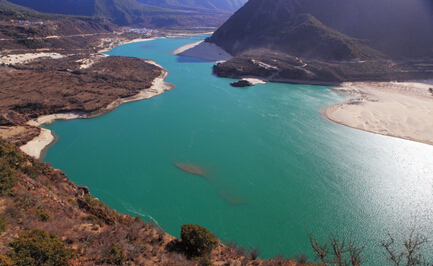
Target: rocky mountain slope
328, 40
119, 12
127, 12
229, 5
398, 29
301, 35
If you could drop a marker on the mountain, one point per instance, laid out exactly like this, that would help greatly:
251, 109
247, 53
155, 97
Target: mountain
396, 28
120, 12
300, 35
127, 12
5, 5
229, 5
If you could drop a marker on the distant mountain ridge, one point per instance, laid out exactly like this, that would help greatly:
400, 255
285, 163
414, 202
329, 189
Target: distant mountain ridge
127, 12
229, 5
396, 28
121, 12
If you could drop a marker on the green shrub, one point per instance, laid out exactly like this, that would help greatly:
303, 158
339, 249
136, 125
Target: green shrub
92, 201
91, 218
196, 240
203, 261
30, 171
6, 261
70, 199
37, 247
7, 177
118, 254
43, 215
11, 154
3, 224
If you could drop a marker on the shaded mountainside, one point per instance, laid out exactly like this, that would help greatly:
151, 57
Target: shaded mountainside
300, 35
395, 28
120, 12
128, 12
229, 5
328, 40
280, 67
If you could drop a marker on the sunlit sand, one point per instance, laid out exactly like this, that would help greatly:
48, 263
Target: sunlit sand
397, 109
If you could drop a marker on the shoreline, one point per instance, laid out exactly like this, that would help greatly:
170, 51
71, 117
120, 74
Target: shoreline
203, 50
38, 146
395, 109
118, 42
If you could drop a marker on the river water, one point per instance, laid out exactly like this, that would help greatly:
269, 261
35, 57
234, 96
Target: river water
273, 166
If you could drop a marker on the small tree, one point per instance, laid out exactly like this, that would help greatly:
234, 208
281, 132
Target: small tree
337, 251
410, 255
42, 215
3, 224
6, 261
117, 253
196, 240
37, 247
7, 177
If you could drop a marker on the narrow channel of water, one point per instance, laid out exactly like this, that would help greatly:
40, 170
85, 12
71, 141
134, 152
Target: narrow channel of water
273, 167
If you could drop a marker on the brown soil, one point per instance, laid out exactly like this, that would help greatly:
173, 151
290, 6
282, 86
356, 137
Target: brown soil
19, 135
50, 86
58, 34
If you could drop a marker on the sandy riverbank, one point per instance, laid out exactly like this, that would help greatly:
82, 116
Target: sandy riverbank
37, 146
109, 43
203, 50
402, 110
23, 58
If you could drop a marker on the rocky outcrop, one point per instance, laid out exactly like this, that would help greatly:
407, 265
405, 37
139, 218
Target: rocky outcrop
241, 83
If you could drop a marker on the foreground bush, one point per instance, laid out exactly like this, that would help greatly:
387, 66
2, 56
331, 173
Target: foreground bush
37, 247
3, 224
196, 240
117, 253
7, 177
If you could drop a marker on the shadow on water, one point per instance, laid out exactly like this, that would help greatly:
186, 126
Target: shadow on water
186, 59
231, 197
192, 169
228, 194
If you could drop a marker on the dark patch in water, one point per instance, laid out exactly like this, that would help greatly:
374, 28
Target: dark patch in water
192, 169
231, 198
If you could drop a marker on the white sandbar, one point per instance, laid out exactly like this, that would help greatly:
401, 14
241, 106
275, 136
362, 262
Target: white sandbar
402, 110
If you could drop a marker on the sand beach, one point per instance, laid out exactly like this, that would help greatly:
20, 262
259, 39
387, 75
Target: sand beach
398, 109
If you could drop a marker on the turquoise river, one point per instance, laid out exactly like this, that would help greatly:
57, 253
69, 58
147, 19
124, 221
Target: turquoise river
274, 167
